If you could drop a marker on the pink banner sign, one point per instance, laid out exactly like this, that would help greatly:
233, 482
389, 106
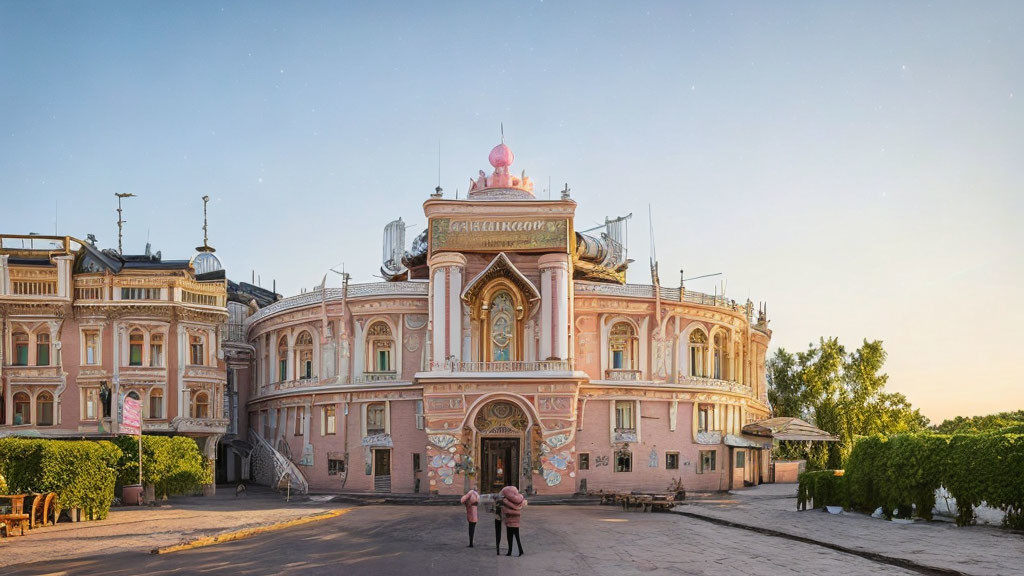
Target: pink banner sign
131, 416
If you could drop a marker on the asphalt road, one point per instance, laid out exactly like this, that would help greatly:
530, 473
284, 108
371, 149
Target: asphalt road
557, 540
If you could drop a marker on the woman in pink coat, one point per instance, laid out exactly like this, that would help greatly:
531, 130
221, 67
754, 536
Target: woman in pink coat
471, 501
512, 505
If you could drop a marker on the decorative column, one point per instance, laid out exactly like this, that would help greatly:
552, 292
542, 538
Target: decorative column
446, 277
554, 306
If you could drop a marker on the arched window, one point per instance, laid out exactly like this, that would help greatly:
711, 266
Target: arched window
282, 359
42, 349
718, 356
379, 346
44, 409
623, 347
156, 350
304, 355
201, 405
156, 403
22, 409
375, 418
197, 349
135, 343
698, 350
134, 395
502, 327
20, 340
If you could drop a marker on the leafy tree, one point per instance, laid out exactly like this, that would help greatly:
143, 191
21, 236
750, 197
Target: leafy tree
842, 393
962, 425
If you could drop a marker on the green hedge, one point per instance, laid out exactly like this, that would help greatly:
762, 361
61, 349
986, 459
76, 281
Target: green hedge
81, 473
821, 488
901, 473
172, 464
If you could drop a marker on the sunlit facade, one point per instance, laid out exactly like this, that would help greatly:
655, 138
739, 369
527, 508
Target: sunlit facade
505, 348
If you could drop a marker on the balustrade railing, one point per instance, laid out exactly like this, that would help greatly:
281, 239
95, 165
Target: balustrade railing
622, 375
714, 384
290, 384
511, 366
378, 377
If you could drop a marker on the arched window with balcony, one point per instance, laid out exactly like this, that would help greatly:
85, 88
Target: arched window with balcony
380, 345
44, 409
282, 359
718, 358
304, 355
623, 351
136, 340
698, 351
502, 339
22, 408
42, 349
201, 405
156, 403
20, 345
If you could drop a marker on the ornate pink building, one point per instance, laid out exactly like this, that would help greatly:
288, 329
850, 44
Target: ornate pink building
505, 348
83, 328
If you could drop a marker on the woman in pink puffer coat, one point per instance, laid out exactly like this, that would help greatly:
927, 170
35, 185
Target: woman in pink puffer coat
512, 505
471, 501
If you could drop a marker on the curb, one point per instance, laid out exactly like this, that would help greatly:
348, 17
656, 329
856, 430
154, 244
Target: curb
880, 558
247, 532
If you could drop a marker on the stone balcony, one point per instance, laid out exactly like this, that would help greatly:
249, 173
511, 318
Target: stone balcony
284, 385
619, 375
371, 377
714, 384
29, 374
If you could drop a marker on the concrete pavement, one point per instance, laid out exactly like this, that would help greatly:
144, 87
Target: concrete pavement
558, 540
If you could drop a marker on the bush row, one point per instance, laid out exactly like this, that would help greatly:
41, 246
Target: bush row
84, 473
901, 473
81, 473
171, 464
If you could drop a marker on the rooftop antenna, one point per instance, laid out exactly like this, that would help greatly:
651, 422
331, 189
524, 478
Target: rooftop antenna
654, 269
438, 192
502, 132
206, 246
121, 221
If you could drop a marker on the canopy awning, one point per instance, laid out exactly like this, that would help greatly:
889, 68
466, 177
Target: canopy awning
747, 442
787, 428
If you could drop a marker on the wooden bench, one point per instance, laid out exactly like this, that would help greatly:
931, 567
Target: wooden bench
15, 518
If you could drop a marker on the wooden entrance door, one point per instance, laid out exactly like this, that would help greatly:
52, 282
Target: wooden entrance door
381, 470
499, 463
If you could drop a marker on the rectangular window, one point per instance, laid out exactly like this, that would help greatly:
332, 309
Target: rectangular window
135, 354
90, 403
374, 419
624, 415
92, 347
617, 359
584, 461
21, 354
383, 360
307, 369
703, 418
156, 405
328, 421
707, 461
419, 415
140, 293
198, 357
156, 350
416, 466
300, 416
42, 351
672, 461
283, 371
741, 459
335, 467
623, 461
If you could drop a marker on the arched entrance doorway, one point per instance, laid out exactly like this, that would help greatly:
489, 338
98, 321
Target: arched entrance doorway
501, 428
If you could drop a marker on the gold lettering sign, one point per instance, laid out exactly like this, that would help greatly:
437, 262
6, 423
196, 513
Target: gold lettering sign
498, 234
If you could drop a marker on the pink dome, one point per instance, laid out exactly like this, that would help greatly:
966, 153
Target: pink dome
501, 156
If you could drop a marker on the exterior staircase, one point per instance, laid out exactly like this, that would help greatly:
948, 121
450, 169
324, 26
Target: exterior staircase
268, 467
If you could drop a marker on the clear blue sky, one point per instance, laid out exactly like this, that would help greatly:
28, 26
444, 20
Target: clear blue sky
859, 166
